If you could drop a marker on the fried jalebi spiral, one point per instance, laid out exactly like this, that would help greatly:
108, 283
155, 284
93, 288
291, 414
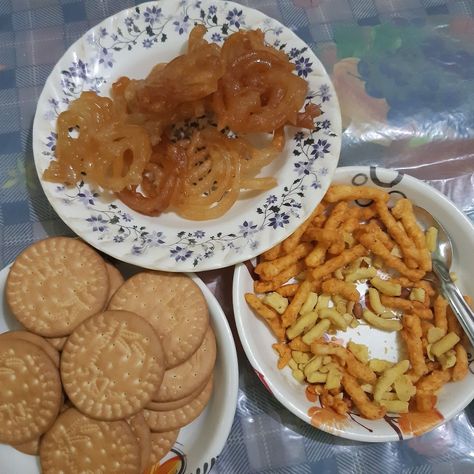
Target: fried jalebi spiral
258, 92
95, 144
211, 181
160, 180
200, 178
133, 145
175, 91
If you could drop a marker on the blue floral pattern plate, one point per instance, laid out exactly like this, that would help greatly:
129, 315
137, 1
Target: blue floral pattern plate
130, 43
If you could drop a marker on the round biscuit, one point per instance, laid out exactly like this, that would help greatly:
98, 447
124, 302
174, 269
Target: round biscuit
30, 447
30, 394
77, 444
141, 431
112, 364
57, 342
38, 341
161, 443
173, 304
181, 381
55, 284
160, 421
66, 404
172, 405
116, 279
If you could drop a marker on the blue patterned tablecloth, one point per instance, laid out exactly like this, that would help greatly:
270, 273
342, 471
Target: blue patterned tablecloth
404, 72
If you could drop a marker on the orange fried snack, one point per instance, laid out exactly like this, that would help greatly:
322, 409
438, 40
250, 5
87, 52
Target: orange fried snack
371, 242
426, 388
440, 309
412, 307
334, 223
412, 334
403, 210
398, 234
284, 353
317, 255
293, 240
291, 312
461, 368
323, 300
288, 290
331, 265
341, 192
297, 344
367, 408
354, 367
273, 253
333, 286
453, 323
280, 279
270, 269
270, 316
373, 228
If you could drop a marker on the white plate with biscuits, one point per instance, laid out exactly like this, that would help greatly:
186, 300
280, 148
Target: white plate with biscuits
257, 338
161, 357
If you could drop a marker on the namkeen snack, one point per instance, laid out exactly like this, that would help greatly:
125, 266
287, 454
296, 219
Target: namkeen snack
349, 265
128, 392
127, 144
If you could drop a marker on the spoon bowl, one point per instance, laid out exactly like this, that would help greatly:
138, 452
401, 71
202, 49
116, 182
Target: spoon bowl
444, 248
442, 258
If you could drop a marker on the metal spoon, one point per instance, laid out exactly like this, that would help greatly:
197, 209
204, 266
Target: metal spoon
442, 258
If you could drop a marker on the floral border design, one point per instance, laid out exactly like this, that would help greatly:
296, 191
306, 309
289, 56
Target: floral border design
143, 27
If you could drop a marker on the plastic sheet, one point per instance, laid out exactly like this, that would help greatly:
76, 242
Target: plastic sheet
406, 90
407, 99
406, 87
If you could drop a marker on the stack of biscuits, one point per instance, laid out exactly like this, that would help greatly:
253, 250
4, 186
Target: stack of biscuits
107, 371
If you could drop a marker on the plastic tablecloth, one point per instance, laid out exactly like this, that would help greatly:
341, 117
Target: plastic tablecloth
404, 73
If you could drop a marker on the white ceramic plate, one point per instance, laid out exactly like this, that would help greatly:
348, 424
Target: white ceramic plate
200, 443
257, 339
130, 43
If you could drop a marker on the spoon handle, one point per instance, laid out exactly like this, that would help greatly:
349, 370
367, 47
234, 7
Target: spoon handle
461, 309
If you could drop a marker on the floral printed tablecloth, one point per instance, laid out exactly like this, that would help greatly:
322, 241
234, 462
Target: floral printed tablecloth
404, 73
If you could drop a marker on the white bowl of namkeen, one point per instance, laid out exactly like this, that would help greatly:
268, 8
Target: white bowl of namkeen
105, 374
189, 148
342, 320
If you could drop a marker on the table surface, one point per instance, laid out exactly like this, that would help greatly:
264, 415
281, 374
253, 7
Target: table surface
404, 73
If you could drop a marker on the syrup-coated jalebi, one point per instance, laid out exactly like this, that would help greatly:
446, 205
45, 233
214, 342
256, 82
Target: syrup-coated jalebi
160, 180
258, 92
124, 144
95, 144
175, 91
